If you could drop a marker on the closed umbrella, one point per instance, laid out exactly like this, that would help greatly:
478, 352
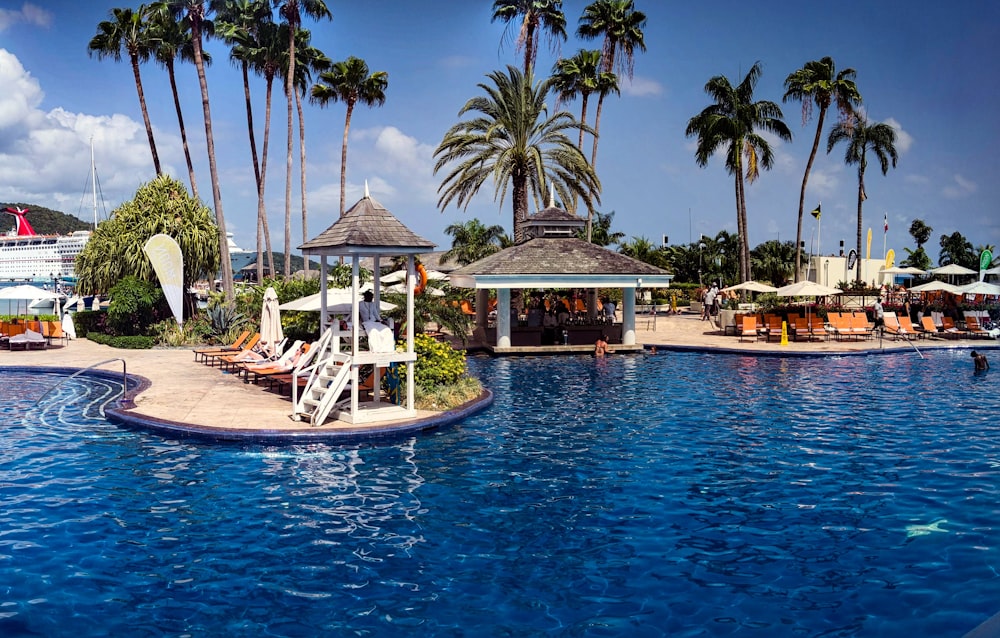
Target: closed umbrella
271, 333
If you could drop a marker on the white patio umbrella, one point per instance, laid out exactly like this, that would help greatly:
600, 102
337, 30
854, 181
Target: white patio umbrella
751, 286
338, 301
952, 269
979, 288
400, 275
935, 286
807, 289
28, 294
908, 271
271, 333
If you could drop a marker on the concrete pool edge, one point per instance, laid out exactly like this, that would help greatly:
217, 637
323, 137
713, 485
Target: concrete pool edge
896, 349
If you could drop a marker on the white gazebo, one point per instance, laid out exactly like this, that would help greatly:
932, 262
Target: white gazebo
366, 230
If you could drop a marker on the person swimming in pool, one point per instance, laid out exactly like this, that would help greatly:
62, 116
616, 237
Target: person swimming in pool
980, 361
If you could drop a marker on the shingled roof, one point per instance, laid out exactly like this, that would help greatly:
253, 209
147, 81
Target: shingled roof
541, 261
367, 228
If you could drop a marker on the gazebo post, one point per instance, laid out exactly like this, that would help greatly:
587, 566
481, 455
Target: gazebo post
628, 316
411, 283
324, 319
503, 317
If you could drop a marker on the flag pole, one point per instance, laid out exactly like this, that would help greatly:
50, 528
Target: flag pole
885, 234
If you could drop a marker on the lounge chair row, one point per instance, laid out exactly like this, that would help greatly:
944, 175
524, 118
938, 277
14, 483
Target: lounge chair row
31, 333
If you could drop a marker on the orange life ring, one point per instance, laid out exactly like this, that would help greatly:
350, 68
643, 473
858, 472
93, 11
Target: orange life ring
422, 284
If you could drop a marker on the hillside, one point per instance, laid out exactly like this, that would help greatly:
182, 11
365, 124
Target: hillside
44, 220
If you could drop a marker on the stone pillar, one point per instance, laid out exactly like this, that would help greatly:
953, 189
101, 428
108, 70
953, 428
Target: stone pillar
503, 317
628, 316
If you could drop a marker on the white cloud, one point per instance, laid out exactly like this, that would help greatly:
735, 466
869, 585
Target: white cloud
903, 139
28, 14
961, 188
45, 156
641, 87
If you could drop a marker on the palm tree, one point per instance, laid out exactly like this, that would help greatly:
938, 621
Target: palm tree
641, 249
243, 25
731, 123
601, 233
128, 31
546, 15
817, 83
920, 232
620, 25
516, 143
472, 241
956, 249
291, 11
773, 261
171, 43
577, 76
860, 138
350, 82
194, 18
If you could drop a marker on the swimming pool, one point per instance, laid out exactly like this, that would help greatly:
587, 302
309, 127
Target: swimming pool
679, 494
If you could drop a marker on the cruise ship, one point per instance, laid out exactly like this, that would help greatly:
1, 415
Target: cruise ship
27, 256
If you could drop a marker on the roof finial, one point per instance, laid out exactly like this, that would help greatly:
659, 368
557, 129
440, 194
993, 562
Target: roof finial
552, 195
367, 195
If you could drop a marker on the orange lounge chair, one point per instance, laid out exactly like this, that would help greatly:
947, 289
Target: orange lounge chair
210, 358
774, 328
949, 328
801, 329
907, 327
233, 347
818, 328
973, 328
860, 325
748, 328
927, 327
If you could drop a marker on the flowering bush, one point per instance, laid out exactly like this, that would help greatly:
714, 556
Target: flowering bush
437, 362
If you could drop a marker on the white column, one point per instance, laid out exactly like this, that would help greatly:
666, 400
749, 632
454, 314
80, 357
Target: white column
628, 317
503, 317
324, 319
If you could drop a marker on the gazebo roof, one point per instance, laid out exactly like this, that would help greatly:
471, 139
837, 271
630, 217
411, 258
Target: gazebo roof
368, 228
555, 262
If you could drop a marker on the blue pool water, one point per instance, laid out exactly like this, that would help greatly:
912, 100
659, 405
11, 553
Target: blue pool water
676, 494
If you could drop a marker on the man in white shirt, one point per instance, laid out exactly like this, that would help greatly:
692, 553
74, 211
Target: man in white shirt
368, 310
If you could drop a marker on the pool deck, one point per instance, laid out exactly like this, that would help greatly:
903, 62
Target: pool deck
184, 398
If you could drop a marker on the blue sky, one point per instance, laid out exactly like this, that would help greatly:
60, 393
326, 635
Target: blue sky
929, 69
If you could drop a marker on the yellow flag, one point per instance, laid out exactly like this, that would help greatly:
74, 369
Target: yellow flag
168, 263
868, 251
890, 258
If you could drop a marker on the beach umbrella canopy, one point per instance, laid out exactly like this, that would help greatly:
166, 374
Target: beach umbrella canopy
400, 275
952, 269
338, 301
936, 286
27, 293
807, 289
979, 288
909, 271
271, 333
751, 286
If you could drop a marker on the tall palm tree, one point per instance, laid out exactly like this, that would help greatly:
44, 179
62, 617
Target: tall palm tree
472, 241
956, 249
515, 142
773, 261
171, 43
818, 83
350, 82
195, 19
731, 123
128, 31
577, 76
535, 16
862, 137
246, 25
601, 233
291, 11
620, 26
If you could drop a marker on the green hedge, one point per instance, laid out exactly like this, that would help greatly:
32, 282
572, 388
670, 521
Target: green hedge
124, 343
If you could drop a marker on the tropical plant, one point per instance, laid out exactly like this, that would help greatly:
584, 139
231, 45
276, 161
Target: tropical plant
437, 362
774, 261
350, 82
818, 83
600, 230
731, 123
916, 258
161, 206
128, 31
920, 232
517, 143
472, 241
246, 26
194, 19
620, 26
861, 137
535, 16
292, 11
133, 306
641, 249
956, 249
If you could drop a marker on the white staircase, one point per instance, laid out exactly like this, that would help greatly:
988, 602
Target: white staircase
327, 376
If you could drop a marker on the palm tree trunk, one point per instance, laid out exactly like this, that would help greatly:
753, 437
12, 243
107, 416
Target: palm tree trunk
737, 187
220, 220
861, 197
302, 175
261, 224
583, 117
802, 192
597, 130
343, 155
261, 208
145, 114
520, 201
180, 122
288, 185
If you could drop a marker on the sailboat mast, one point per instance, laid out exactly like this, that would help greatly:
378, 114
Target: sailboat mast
93, 178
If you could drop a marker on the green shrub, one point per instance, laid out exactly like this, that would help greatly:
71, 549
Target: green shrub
87, 321
136, 342
437, 363
133, 306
